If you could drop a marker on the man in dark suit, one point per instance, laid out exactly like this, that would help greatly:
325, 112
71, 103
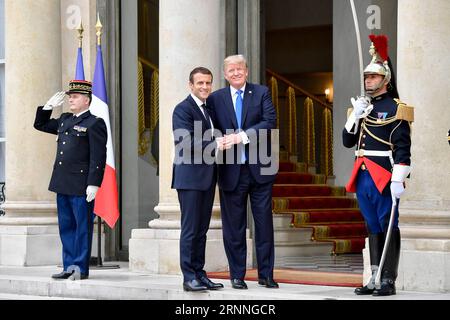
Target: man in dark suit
194, 177
244, 113
77, 172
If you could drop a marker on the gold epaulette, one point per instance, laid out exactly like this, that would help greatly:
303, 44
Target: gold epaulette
404, 112
349, 111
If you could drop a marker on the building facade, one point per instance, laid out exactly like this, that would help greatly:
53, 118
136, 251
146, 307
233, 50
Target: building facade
149, 49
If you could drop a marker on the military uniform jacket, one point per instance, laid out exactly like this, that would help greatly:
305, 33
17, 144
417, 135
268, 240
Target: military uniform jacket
386, 128
81, 150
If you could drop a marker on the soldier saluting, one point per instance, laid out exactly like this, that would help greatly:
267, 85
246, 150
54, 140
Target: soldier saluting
379, 125
77, 172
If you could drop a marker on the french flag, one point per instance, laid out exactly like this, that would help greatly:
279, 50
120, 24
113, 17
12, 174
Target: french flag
106, 201
79, 71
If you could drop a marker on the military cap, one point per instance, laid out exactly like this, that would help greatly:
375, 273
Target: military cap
80, 86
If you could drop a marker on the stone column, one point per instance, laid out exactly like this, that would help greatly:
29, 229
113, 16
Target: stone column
423, 69
191, 35
29, 231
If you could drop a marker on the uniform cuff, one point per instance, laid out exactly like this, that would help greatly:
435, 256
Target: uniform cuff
352, 122
400, 172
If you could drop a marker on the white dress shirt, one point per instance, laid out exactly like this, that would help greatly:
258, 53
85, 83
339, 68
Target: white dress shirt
199, 104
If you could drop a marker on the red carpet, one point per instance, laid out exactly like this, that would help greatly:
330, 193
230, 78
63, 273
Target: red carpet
331, 215
294, 276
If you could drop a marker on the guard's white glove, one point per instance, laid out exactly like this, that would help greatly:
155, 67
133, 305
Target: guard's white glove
56, 101
91, 191
361, 106
397, 189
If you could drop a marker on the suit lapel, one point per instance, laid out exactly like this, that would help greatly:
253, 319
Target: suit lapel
198, 111
229, 107
247, 99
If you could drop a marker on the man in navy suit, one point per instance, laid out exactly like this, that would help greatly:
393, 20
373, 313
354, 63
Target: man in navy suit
77, 172
243, 112
194, 177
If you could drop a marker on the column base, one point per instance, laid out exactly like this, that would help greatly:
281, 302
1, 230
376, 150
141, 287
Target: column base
29, 245
424, 265
157, 251
425, 249
29, 235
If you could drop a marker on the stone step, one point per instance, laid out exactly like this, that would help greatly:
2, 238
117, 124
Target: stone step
292, 235
302, 249
282, 220
122, 284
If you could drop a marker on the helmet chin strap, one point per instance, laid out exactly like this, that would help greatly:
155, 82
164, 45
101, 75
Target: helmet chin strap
372, 93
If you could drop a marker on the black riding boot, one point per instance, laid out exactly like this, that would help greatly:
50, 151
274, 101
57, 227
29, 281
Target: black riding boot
376, 242
390, 267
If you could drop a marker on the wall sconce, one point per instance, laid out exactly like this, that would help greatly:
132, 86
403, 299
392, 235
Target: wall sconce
327, 95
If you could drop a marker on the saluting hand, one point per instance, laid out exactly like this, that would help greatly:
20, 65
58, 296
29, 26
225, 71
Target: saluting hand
56, 101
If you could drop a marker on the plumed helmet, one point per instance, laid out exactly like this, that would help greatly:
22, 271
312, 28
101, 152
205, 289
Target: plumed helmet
380, 59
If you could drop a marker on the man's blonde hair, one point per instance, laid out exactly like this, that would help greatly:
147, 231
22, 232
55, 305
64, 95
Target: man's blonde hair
234, 59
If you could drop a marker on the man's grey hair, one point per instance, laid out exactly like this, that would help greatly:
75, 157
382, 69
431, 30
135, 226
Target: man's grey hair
234, 59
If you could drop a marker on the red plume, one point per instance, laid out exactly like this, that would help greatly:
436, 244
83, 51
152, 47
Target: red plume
381, 44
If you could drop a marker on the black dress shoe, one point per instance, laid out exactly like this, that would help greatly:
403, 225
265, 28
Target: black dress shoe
387, 288
361, 291
78, 276
61, 275
238, 284
268, 282
209, 284
194, 285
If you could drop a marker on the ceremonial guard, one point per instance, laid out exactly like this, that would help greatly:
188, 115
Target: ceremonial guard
77, 172
379, 124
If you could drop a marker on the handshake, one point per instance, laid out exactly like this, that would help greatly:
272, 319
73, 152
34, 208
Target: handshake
227, 141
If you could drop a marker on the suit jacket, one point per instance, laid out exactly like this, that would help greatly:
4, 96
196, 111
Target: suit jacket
192, 137
81, 150
258, 113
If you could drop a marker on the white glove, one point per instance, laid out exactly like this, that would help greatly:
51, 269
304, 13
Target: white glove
91, 191
397, 189
361, 106
56, 101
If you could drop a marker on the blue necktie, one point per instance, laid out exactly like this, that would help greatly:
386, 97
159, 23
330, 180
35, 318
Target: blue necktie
239, 119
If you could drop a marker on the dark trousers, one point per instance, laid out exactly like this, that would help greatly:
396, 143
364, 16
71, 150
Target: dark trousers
196, 207
75, 229
375, 207
234, 223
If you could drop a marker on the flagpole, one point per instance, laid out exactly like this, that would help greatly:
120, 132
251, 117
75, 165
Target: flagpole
98, 27
79, 70
80, 34
100, 264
